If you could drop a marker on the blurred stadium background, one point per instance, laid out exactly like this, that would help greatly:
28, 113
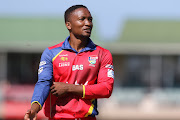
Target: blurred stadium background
146, 56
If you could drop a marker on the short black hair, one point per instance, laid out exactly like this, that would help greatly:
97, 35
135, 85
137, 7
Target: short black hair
70, 10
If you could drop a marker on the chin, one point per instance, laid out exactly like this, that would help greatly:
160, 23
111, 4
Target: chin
84, 36
87, 35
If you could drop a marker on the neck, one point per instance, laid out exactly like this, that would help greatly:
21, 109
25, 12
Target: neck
78, 43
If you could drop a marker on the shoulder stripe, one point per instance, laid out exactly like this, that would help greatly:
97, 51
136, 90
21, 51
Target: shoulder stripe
56, 55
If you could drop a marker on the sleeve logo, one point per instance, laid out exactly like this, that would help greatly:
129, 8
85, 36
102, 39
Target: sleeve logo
42, 63
110, 72
109, 66
40, 70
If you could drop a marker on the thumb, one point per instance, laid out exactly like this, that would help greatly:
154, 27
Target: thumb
27, 115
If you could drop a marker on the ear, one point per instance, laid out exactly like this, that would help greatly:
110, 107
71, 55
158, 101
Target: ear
68, 25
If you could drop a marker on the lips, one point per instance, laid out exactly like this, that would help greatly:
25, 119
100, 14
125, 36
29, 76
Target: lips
88, 30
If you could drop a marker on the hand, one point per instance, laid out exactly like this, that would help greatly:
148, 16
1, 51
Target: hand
59, 88
30, 115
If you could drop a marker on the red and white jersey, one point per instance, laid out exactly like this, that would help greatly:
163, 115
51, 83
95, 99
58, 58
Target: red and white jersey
92, 67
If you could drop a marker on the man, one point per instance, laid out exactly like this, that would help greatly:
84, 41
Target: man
76, 72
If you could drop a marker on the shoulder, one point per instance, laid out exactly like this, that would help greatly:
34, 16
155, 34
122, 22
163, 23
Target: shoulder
104, 54
56, 46
103, 50
50, 52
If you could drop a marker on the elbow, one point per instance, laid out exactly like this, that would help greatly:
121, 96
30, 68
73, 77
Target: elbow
108, 93
109, 89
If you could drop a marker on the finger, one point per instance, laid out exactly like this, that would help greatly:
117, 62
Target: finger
26, 117
52, 87
55, 94
34, 118
53, 91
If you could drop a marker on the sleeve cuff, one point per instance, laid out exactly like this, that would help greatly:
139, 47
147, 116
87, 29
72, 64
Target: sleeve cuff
37, 103
83, 91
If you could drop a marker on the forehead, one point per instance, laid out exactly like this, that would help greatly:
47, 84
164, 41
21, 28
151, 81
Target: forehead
81, 12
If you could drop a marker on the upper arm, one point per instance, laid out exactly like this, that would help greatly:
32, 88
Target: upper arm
45, 71
44, 82
106, 72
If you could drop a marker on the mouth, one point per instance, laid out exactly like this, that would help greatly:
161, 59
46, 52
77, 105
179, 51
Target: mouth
88, 30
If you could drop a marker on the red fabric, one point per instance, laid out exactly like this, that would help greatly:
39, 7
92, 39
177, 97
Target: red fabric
89, 68
104, 86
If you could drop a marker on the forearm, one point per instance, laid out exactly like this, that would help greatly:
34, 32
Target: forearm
41, 92
75, 89
101, 90
35, 107
59, 88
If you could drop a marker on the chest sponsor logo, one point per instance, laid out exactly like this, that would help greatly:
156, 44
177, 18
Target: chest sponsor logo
64, 64
92, 59
64, 58
77, 67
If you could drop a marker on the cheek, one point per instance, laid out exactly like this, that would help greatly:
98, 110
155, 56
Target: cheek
76, 29
77, 26
79, 23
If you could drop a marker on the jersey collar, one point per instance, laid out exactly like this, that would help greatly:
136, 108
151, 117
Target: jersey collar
90, 45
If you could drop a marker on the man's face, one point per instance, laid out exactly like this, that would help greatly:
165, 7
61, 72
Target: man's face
81, 22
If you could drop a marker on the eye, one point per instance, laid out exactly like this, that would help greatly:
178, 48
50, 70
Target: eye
90, 19
81, 18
